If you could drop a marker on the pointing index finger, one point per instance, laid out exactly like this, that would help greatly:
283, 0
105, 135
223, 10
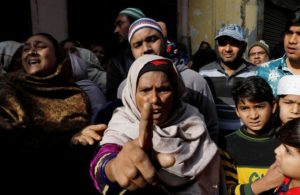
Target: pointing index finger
146, 127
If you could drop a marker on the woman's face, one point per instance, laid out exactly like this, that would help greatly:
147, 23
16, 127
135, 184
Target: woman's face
154, 87
38, 57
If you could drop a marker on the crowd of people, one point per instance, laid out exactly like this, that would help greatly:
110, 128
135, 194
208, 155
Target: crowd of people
150, 119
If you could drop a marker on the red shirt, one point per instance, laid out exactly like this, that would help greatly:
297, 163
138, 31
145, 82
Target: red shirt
283, 189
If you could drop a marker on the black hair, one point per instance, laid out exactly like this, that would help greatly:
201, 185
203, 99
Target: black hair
289, 133
203, 43
293, 20
254, 89
75, 42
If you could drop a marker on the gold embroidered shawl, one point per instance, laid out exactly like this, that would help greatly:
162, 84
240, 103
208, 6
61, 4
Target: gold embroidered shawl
48, 108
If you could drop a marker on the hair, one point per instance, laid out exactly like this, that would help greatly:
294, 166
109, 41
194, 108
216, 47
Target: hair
293, 20
289, 133
204, 42
254, 89
75, 42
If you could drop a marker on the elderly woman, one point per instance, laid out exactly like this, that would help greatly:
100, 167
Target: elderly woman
156, 143
41, 109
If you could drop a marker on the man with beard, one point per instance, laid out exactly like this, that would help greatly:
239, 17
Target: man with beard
222, 74
122, 59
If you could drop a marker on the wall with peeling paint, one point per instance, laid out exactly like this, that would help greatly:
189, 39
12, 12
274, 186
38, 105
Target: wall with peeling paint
207, 16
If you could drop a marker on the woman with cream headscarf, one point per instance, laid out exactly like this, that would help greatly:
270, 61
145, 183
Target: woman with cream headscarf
156, 142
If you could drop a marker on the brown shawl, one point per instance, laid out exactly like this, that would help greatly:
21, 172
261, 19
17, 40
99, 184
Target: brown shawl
48, 108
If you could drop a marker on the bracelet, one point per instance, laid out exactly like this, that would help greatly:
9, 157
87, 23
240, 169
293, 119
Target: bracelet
102, 170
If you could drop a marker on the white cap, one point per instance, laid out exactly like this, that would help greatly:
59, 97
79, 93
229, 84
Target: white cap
289, 85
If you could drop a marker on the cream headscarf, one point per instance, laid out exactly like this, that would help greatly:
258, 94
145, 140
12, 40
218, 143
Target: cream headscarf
184, 134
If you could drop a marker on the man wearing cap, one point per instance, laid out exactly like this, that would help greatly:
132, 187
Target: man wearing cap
259, 52
145, 37
120, 63
222, 74
289, 63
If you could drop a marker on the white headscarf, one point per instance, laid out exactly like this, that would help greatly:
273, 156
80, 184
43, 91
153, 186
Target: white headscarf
184, 134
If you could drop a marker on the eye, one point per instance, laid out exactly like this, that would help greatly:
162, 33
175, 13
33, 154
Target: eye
243, 108
137, 45
26, 48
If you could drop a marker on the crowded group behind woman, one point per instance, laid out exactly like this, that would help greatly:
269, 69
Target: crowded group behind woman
148, 119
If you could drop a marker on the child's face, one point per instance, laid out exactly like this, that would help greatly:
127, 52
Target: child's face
255, 115
288, 160
289, 108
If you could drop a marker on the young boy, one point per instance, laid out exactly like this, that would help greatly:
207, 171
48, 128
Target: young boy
288, 91
248, 152
288, 157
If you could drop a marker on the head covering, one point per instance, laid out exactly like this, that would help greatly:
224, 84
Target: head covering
184, 133
289, 85
143, 23
231, 30
7, 52
262, 44
133, 12
165, 66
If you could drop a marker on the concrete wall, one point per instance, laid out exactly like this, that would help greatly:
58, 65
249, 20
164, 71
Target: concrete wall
50, 16
206, 17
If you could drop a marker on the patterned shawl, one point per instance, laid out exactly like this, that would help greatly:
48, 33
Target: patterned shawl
48, 108
184, 134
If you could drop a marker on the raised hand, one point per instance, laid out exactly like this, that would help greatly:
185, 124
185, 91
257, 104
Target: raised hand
272, 179
133, 168
89, 135
146, 128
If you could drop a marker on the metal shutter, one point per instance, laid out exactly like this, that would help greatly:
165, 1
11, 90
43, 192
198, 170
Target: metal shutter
275, 18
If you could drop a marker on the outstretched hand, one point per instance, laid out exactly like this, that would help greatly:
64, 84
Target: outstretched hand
133, 168
89, 135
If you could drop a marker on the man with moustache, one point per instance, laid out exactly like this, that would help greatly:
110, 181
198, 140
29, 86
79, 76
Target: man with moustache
145, 36
122, 59
289, 63
222, 74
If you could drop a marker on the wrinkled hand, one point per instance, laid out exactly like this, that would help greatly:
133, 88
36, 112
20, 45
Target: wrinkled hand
132, 168
89, 135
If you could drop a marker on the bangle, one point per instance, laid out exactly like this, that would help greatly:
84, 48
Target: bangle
102, 170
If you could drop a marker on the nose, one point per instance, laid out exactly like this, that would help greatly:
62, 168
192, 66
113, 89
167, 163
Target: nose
277, 150
147, 49
228, 47
296, 109
32, 51
116, 30
154, 97
253, 114
293, 38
